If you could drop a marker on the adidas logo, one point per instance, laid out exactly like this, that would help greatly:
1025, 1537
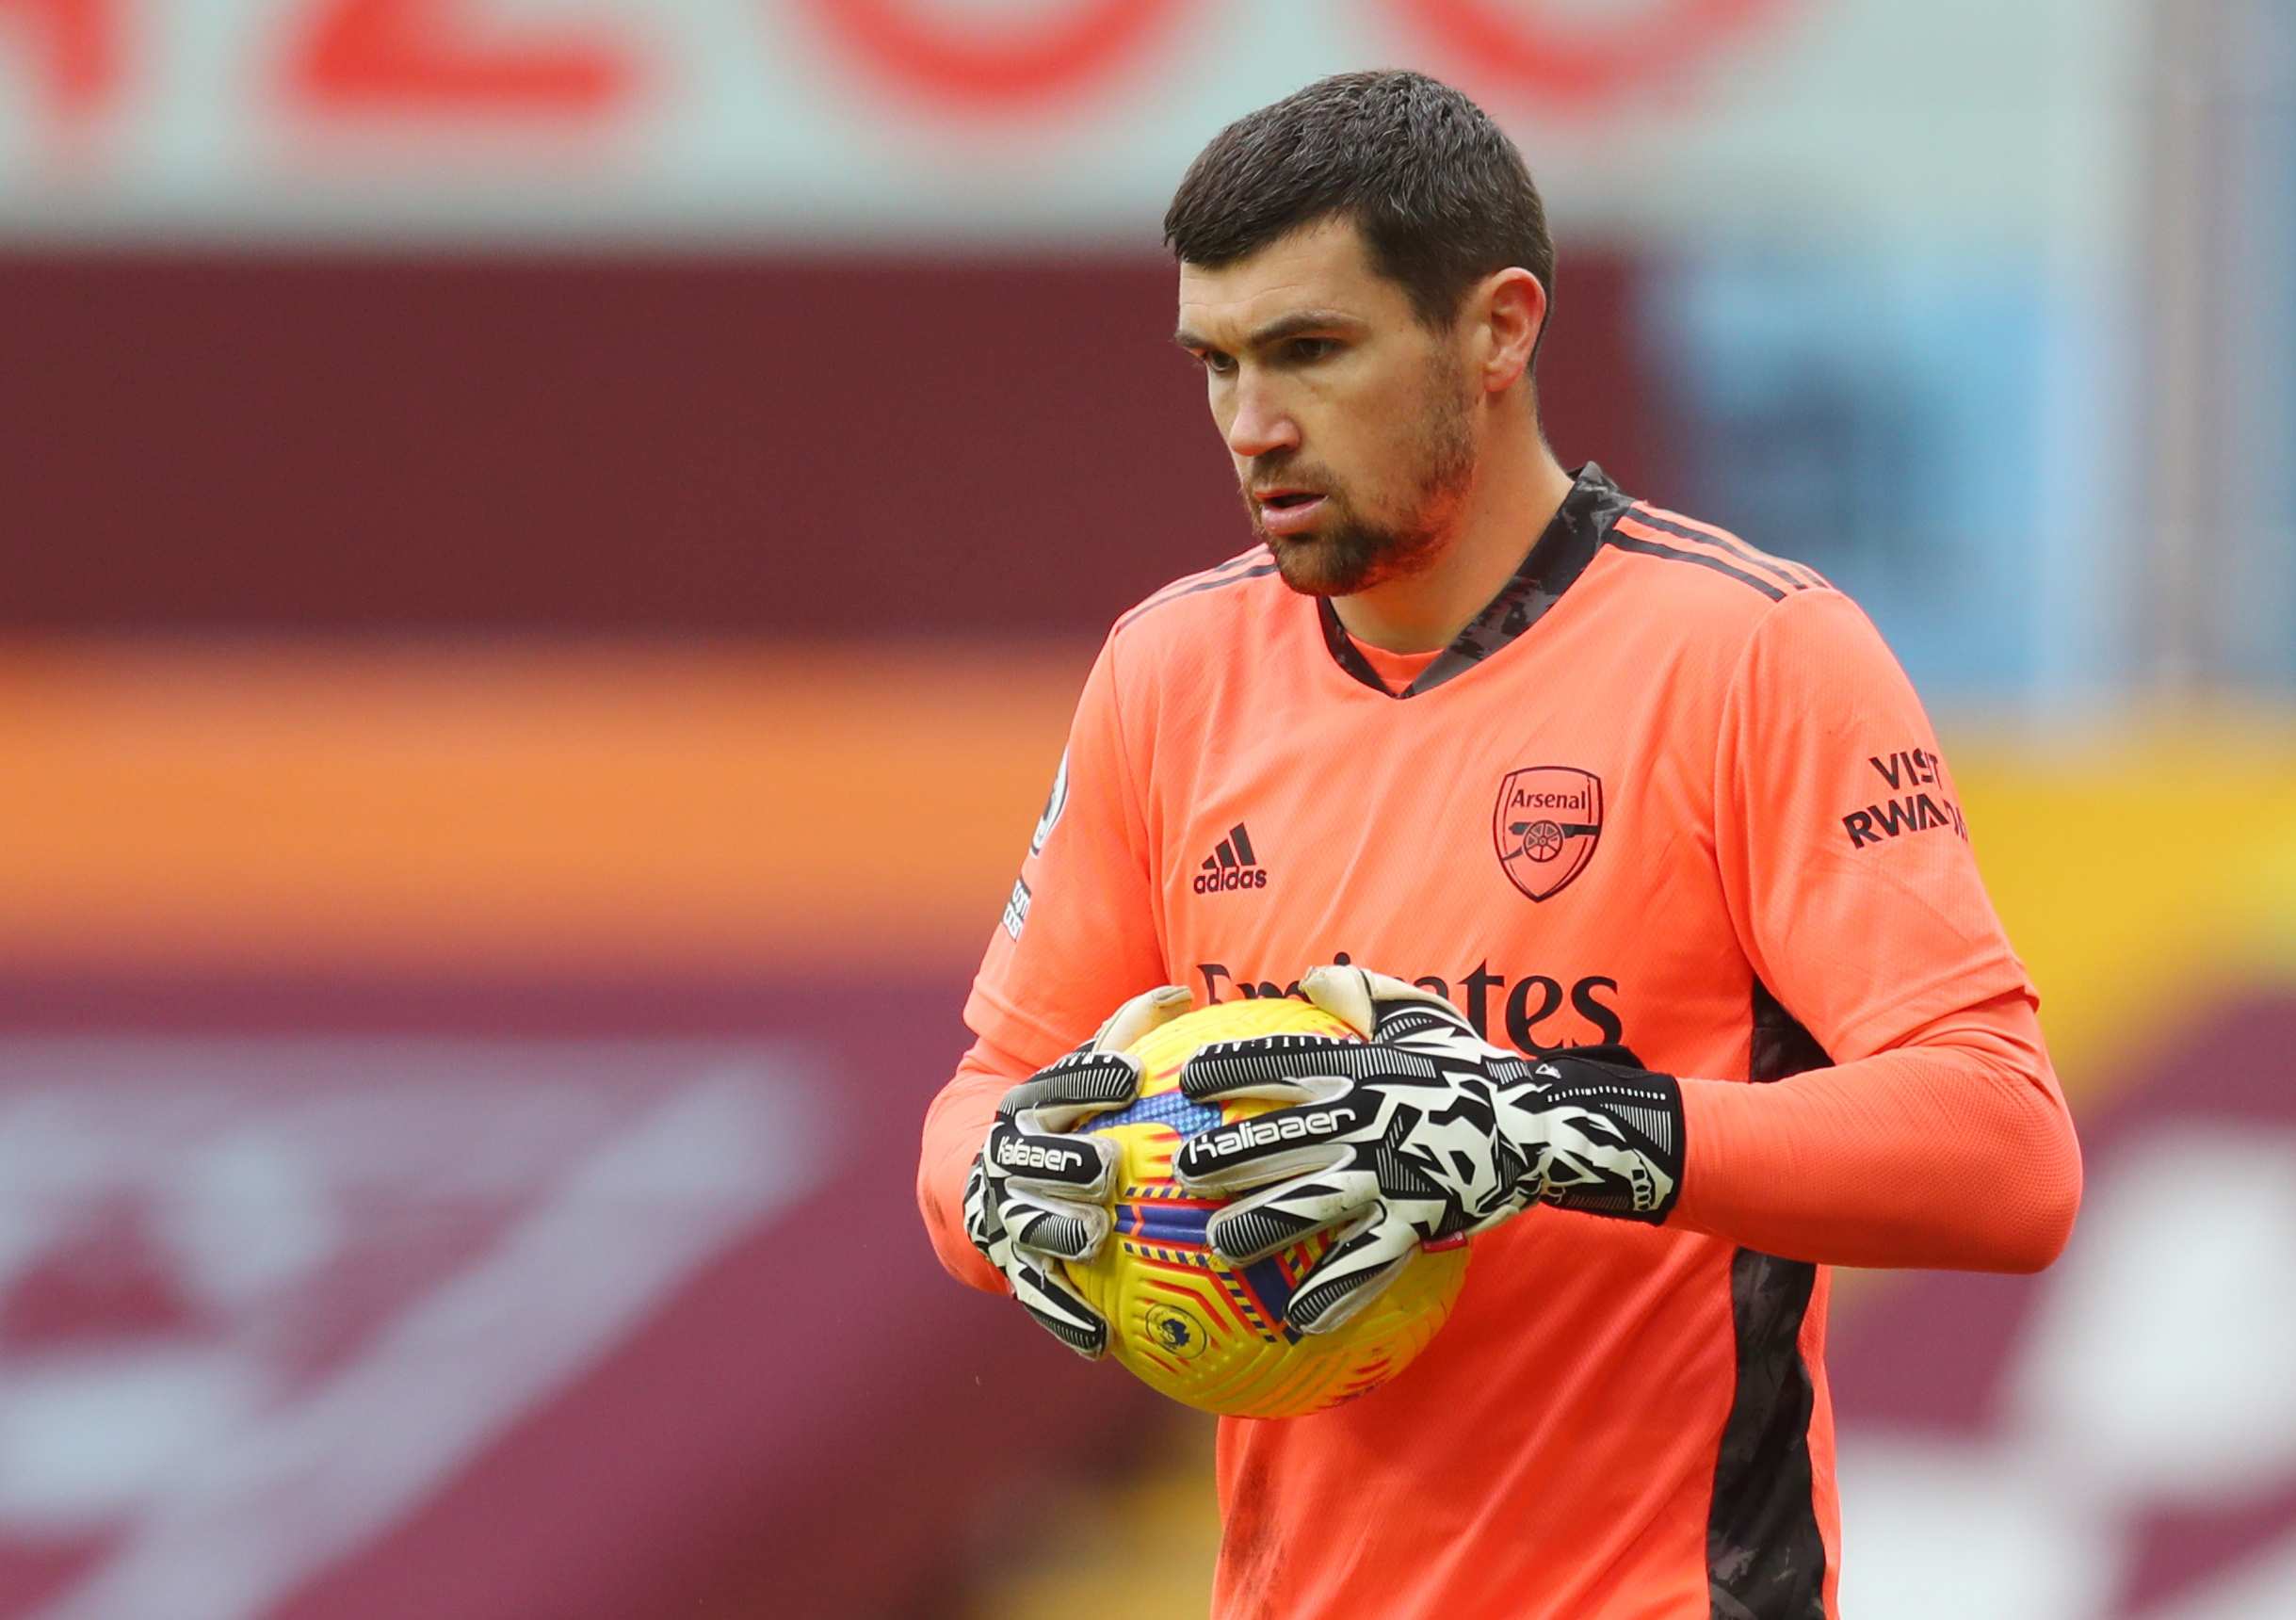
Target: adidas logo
1232, 866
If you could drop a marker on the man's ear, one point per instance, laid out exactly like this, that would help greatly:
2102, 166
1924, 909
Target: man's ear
1510, 313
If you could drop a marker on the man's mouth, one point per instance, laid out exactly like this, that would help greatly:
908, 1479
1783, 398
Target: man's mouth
1286, 510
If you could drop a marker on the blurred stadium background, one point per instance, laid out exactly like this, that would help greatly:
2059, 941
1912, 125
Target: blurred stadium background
549, 543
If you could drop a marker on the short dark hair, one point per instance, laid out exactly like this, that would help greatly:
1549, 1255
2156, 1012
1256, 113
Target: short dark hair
1441, 195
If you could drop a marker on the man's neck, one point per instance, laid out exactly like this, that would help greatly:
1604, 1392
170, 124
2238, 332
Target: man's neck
1519, 487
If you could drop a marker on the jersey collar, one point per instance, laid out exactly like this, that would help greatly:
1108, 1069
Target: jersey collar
1553, 561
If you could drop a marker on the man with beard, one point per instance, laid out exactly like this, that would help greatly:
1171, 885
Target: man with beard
1595, 815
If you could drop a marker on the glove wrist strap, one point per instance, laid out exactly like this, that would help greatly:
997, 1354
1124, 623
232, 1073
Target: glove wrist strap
1633, 1169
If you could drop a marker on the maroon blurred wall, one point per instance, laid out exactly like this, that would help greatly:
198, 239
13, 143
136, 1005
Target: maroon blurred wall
672, 445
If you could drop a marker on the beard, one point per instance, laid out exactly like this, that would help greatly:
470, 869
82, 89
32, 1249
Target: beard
1356, 549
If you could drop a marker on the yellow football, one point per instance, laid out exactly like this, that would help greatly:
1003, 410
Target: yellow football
1185, 1321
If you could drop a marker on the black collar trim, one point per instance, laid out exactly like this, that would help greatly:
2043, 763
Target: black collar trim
1554, 562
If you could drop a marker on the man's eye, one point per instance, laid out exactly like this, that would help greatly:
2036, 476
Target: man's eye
1219, 365
1311, 348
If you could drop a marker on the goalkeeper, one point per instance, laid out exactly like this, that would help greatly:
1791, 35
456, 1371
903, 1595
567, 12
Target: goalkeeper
1626, 846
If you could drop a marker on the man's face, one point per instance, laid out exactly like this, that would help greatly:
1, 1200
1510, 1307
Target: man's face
1350, 423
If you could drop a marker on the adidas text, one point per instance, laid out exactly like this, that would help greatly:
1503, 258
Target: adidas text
1231, 878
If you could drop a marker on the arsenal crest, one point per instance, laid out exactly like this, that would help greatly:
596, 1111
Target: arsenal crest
1546, 823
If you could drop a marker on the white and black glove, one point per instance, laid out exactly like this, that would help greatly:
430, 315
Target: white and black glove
1420, 1133
1038, 1192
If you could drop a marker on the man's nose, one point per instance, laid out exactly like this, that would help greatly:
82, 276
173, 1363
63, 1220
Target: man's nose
1261, 425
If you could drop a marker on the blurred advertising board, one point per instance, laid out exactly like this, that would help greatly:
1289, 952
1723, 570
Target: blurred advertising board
944, 120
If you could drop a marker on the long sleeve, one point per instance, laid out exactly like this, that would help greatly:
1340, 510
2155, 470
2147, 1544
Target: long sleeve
1077, 937
1938, 1134
1953, 1148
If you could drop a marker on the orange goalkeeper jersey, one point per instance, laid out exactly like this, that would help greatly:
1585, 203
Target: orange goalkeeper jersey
1667, 790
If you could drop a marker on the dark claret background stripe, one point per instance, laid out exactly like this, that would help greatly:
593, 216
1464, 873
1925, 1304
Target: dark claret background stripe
601, 512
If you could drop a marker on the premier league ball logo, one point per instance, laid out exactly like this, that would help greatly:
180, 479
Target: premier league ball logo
1546, 823
1174, 1332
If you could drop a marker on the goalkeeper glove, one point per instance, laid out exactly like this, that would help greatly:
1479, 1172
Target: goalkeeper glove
1038, 1192
1420, 1133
